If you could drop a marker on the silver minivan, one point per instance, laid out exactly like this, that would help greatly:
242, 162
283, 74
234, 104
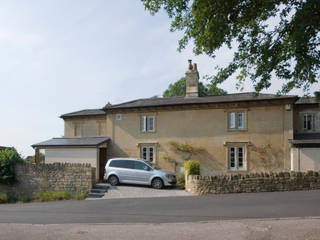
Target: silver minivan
136, 171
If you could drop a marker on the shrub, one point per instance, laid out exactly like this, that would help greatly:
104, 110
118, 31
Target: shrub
8, 159
3, 198
181, 181
192, 167
7, 198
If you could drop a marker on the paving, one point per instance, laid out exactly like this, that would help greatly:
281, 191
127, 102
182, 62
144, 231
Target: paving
106, 191
293, 229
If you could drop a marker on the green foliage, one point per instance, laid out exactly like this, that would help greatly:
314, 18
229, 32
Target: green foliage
46, 196
80, 196
274, 38
192, 167
31, 159
7, 198
179, 89
185, 147
8, 159
3, 198
181, 181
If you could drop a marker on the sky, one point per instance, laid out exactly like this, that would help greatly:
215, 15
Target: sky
62, 56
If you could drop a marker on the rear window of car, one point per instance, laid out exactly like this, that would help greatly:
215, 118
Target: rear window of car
122, 164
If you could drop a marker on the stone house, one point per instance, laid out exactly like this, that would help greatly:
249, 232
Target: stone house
230, 133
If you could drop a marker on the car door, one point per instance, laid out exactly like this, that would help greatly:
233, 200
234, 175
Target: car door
121, 168
142, 172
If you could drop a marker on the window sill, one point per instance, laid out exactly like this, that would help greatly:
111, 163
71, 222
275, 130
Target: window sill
237, 130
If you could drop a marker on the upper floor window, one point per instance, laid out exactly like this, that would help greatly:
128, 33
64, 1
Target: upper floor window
308, 121
236, 158
236, 120
147, 123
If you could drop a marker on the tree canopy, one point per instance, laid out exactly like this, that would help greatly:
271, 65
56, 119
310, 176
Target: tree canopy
277, 38
179, 89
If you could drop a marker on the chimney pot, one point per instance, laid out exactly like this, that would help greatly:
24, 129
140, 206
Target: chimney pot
195, 68
190, 64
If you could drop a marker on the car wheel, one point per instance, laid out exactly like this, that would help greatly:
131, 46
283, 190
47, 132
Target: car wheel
157, 183
113, 180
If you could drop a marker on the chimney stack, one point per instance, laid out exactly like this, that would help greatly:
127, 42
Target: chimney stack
192, 80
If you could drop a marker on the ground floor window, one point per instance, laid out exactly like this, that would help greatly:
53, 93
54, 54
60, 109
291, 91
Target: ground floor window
236, 158
147, 153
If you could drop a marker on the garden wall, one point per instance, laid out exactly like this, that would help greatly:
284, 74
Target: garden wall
253, 182
55, 177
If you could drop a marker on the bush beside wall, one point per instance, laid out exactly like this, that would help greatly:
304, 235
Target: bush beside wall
253, 182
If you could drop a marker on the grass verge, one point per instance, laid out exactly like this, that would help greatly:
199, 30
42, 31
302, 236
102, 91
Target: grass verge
43, 196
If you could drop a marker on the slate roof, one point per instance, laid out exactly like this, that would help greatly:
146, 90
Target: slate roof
173, 101
176, 101
307, 100
85, 112
73, 142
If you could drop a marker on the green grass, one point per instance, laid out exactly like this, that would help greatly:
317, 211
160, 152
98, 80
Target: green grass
43, 196
46, 196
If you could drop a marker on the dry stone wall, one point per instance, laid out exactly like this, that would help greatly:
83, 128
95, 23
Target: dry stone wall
54, 177
253, 182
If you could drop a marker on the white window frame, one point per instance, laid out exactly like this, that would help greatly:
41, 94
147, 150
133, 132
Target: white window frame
236, 150
146, 125
233, 120
150, 153
305, 121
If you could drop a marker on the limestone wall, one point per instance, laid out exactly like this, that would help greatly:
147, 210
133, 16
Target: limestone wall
253, 182
55, 177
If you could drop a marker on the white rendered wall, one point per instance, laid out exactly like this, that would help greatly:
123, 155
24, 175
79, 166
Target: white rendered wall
72, 155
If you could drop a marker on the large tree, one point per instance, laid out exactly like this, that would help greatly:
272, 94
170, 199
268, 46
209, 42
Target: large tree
179, 89
271, 37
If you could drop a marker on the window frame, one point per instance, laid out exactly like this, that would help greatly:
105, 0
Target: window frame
233, 120
147, 147
305, 122
236, 158
145, 123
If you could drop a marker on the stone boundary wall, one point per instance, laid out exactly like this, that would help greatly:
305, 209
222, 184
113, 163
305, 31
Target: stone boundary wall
31, 178
253, 182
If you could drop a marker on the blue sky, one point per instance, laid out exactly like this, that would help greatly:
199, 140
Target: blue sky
61, 56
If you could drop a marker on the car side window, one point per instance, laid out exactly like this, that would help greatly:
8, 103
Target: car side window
127, 164
115, 163
141, 166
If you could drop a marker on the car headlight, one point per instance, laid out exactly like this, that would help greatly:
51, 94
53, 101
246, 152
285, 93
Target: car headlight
170, 176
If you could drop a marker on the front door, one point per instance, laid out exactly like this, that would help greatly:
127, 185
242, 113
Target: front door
102, 161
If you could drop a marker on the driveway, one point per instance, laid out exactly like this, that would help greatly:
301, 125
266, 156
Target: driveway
134, 191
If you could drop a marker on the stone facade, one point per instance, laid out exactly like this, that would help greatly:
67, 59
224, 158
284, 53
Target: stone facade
253, 182
54, 177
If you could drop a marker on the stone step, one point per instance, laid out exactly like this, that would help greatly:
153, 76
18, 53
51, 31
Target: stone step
96, 190
95, 195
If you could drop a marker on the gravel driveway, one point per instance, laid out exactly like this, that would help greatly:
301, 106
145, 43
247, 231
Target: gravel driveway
134, 191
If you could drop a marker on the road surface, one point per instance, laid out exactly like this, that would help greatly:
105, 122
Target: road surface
167, 209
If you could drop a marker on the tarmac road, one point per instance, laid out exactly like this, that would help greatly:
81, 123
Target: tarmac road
167, 209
